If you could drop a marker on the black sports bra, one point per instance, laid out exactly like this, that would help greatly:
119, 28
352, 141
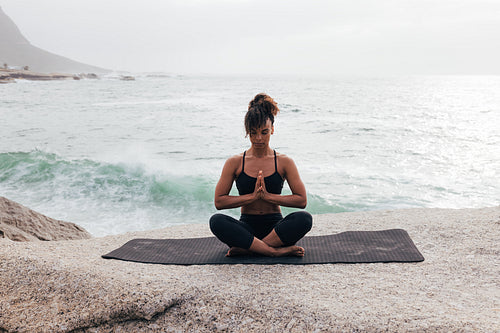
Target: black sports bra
246, 184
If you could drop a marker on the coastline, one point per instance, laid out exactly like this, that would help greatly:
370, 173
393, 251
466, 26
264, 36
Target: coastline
11, 75
66, 285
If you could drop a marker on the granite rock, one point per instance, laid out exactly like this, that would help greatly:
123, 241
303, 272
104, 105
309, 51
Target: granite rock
66, 286
20, 223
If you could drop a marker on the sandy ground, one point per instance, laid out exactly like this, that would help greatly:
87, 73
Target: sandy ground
67, 286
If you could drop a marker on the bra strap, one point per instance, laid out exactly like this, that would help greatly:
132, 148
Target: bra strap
275, 162
243, 163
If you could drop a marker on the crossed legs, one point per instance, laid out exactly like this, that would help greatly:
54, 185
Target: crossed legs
270, 246
280, 241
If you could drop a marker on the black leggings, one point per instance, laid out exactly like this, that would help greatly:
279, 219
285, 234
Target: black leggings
241, 233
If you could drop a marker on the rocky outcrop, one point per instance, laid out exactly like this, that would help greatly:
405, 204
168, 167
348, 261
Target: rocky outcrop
9, 75
67, 286
20, 223
6, 78
16, 50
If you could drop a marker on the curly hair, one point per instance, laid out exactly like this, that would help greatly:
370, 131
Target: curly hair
260, 108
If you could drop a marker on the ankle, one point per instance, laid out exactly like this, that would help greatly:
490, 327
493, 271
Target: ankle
273, 252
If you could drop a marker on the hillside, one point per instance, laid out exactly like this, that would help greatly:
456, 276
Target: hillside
16, 50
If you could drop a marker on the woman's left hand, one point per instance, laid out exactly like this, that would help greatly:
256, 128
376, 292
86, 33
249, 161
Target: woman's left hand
298, 198
262, 186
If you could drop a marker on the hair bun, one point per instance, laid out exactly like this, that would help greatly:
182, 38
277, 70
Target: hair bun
260, 108
265, 103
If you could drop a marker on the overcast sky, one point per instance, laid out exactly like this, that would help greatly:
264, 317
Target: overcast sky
268, 36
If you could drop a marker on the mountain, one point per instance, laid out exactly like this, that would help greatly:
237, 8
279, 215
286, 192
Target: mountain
16, 50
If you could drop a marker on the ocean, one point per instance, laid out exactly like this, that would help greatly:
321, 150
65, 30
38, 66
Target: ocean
115, 156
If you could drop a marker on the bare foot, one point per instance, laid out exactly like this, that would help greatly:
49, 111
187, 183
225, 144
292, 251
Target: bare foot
293, 250
237, 251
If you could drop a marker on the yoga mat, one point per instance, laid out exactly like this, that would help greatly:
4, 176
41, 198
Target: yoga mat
393, 245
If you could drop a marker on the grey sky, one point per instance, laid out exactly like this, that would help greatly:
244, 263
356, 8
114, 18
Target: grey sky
289, 36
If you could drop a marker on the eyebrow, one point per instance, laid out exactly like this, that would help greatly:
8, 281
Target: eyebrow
263, 130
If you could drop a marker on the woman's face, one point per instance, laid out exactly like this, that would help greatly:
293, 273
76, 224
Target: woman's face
259, 137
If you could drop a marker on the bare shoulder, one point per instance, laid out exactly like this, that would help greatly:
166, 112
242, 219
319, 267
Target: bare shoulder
235, 159
284, 159
286, 165
233, 162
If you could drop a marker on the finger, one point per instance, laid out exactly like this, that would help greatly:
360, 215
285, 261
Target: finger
257, 183
262, 182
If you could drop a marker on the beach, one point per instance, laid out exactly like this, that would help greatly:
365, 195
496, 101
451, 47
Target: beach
63, 286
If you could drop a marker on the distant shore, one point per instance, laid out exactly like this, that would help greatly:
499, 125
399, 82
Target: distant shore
63, 286
10, 75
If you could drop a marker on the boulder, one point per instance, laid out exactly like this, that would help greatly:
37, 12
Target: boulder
20, 223
88, 76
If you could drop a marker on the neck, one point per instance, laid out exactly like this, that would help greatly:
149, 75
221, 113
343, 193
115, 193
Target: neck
260, 152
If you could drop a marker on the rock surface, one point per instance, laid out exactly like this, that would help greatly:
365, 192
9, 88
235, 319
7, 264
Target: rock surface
20, 223
66, 286
9, 75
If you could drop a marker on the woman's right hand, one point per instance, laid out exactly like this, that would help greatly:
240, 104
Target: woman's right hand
222, 198
260, 187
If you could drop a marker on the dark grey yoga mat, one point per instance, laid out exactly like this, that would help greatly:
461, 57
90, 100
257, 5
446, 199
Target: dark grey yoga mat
393, 245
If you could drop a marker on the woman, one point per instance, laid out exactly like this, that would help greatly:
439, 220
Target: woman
259, 174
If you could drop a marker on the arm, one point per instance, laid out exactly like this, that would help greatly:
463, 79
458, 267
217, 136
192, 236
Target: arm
222, 199
298, 198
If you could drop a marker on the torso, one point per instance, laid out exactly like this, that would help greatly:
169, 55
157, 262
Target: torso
246, 178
